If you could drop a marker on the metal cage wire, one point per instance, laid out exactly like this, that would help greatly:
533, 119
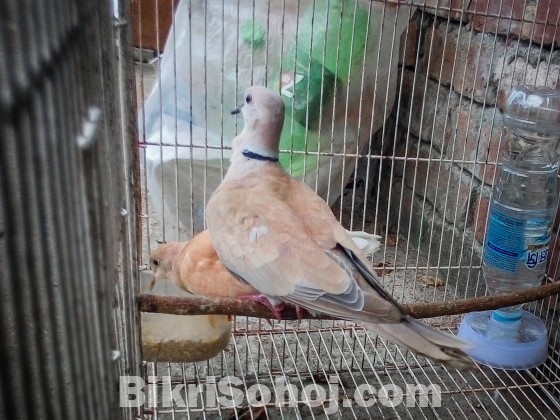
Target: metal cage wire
435, 155
67, 214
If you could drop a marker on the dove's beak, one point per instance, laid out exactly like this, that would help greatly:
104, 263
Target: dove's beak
237, 110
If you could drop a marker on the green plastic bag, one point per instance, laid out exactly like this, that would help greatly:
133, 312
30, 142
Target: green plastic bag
329, 45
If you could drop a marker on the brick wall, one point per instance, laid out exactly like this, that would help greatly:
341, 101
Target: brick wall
459, 61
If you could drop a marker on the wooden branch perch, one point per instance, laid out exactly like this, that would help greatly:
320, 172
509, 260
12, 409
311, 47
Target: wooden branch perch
204, 306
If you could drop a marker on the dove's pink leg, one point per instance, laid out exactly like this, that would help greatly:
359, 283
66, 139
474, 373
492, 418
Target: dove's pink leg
276, 309
299, 312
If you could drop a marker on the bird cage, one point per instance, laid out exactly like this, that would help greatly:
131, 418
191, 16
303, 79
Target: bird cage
399, 133
406, 147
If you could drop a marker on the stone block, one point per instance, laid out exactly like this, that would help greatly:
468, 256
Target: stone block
480, 216
482, 66
476, 135
463, 59
528, 20
409, 42
440, 49
425, 108
441, 183
454, 9
514, 71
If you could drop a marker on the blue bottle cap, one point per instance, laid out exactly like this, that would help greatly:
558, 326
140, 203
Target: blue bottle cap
506, 317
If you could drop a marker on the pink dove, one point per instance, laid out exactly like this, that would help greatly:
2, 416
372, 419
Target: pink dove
194, 267
282, 239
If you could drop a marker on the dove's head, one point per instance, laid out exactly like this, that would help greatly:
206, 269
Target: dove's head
263, 112
162, 261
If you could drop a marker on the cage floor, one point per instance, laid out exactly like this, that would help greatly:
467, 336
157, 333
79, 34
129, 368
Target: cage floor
358, 376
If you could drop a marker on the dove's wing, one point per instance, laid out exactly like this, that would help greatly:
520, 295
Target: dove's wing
325, 230
318, 219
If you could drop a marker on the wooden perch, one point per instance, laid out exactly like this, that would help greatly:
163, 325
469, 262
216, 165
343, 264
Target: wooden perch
204, 306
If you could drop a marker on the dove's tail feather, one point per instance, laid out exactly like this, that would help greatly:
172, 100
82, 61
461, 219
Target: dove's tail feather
428, 341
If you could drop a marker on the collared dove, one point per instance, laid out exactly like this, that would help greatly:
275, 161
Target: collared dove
283, 239
195, 267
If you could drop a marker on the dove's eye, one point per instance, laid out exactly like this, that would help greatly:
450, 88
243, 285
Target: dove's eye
155, 262
249, 99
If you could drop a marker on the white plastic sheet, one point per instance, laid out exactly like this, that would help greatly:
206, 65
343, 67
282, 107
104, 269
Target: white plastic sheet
334, 62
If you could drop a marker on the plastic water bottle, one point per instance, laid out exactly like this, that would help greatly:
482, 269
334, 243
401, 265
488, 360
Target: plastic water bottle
525, 196
520, 219
523, 205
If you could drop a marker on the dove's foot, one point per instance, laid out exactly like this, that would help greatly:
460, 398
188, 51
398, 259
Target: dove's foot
275, 308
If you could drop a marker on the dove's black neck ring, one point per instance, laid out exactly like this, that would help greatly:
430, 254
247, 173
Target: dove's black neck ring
252, 155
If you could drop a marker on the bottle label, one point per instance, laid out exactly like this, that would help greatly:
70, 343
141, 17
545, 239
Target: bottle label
536, 256
506, 245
